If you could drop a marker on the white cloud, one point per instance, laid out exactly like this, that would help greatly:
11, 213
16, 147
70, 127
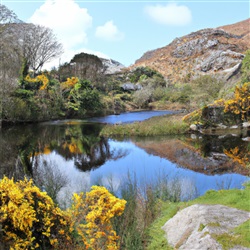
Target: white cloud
70, 24
170, 14
66, 18
109, 32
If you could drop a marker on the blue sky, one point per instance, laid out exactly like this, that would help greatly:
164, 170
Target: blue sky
124, 30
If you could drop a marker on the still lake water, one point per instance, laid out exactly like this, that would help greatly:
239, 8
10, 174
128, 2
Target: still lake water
74, 149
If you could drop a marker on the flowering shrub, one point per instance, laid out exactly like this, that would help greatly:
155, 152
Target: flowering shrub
40, 78
71, 82
92, 213
29, 219
193, 117
240, 105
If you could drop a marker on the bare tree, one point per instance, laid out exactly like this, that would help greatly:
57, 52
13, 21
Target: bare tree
48, 176
6, 16
8, 56
38, 45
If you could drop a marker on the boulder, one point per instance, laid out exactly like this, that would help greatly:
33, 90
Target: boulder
193, 127
246, 124
192, 227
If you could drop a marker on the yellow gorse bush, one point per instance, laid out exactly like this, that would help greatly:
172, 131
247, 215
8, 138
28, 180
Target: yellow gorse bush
40, 78
71, 82
240, 104
29, 218
92, 213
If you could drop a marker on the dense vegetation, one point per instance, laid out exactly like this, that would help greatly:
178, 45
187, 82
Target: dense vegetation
31, 220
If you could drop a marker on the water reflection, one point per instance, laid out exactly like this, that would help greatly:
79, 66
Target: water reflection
79, 142
207, 154
72, 156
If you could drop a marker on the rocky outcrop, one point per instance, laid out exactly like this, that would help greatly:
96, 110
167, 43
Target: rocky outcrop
128, 86
91, 67
210, 51
111, 66
194, 227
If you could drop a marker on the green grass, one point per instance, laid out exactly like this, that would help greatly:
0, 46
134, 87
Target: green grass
235, 198
201, 227
156, 235
240, 236
162, 125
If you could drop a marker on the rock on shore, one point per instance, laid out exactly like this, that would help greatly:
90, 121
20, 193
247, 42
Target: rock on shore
192, 227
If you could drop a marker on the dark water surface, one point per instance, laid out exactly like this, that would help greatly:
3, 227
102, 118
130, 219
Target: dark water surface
73, 149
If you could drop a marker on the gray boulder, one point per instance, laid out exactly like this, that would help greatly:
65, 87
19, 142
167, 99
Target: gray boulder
192, 227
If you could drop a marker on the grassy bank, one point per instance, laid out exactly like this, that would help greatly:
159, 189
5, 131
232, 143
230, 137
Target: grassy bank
233, 198
161, 125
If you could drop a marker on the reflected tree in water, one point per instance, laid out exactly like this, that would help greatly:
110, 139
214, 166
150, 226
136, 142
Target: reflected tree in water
48, 177
78, 142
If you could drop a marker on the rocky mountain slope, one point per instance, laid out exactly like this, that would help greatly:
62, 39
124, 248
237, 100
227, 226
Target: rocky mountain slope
208, 51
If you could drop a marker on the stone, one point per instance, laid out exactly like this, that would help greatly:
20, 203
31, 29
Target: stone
246, 124
221, 126
111, 66
246, 139
234, 127
192, 227
193, 127
128, 86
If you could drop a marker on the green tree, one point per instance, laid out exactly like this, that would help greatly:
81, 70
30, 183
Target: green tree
83, 98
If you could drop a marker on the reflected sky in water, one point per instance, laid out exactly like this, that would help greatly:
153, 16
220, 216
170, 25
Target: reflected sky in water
146, 167
76, 149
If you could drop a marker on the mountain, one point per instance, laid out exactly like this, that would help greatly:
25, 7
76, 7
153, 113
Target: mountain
208, 51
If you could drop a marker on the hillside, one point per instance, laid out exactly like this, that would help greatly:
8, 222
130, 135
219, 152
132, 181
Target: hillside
208, 51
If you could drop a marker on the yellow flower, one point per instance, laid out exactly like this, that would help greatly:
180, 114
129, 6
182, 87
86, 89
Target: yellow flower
61, 231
